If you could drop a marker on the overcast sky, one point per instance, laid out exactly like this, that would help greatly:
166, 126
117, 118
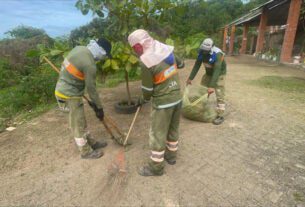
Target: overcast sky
56, 17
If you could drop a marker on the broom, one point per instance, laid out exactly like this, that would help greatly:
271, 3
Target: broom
118, 165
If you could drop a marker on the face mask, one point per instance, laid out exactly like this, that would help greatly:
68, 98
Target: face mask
97, 51
138, 49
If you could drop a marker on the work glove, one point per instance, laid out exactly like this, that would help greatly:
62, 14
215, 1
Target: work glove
100, 114
210, 91
188, 82
92, 105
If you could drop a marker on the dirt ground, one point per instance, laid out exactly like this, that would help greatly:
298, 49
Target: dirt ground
256, 158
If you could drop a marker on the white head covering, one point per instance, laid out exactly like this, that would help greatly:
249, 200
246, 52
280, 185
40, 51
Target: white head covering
153, 51
207, 44
97, 51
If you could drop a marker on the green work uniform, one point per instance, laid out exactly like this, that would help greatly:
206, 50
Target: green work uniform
78, 72
216, 69
161, 83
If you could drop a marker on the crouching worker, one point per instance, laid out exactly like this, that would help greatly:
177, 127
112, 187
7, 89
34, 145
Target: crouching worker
160, 81
214, 78
78, 71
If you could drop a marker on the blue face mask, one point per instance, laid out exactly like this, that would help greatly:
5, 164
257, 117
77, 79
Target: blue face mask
170, 60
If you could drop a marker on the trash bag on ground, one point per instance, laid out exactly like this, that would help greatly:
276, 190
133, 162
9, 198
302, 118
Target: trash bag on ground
197, 105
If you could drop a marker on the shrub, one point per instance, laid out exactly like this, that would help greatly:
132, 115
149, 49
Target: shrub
33, 90
8, 77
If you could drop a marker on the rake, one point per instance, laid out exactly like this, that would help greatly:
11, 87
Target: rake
118, 165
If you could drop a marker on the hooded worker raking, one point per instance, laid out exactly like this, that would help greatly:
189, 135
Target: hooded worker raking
78, 72
160, 82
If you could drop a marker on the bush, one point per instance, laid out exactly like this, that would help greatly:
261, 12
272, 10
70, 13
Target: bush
14, 50
8, 77
33, 90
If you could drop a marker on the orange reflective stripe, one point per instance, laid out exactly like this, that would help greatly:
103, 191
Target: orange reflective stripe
165, 74
73, 70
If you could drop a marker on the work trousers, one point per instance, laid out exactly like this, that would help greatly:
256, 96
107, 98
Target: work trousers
163, 136
219, 90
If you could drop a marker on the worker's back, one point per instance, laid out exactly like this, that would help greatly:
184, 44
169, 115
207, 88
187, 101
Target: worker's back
71, 80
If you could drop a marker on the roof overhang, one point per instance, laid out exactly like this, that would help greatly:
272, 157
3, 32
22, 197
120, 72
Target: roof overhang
277, 12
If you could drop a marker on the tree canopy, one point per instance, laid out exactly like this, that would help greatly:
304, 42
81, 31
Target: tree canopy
25, 32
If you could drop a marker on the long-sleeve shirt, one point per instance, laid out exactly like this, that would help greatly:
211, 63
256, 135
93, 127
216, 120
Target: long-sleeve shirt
161, 83
215, 69
71, 86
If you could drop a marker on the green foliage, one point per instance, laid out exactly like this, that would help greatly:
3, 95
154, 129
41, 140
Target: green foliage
25, 32
94, 29
58, 51
123, 59
32, 91
14, 50
8, 77
124, 16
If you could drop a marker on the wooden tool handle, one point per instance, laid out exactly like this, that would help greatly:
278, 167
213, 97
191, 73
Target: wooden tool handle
131, 126
113, 124
51, 64
85, 97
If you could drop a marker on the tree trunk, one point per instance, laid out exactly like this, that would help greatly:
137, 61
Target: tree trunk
127, 87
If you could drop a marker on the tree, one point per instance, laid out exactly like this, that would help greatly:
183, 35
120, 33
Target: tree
124, 16
25, 32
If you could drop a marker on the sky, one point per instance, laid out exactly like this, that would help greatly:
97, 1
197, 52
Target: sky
56, 17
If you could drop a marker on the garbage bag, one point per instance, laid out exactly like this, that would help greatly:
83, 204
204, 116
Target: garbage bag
197, 105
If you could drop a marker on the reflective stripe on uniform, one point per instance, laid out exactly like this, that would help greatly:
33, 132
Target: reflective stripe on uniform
63, 97
165, 74
80, 141
73, 70
60, 95
147, 89
164, 106
172, 146
157, 156
221, 106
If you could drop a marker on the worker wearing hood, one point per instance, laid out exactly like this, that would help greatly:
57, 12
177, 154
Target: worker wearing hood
160, 82
78, 72
214, 79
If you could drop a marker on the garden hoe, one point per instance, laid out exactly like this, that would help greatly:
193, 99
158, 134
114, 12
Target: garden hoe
118, 139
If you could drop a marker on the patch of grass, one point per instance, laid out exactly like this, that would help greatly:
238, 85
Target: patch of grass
298, 197
283, 84
115, 79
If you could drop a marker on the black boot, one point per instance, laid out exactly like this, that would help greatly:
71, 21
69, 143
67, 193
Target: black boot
218, 120
146, 171
170, 161
95, 154
99, 145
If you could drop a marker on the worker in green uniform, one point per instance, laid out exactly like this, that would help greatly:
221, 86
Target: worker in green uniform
160, 81
214, 78
78, 71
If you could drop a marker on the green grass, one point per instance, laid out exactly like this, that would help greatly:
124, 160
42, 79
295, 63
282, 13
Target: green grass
298, 197
34, 95
283, 84
115, 79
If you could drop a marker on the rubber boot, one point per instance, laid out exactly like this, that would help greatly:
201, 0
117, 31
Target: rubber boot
170, 161
95, 154
218, 120
99, 144
146, 171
